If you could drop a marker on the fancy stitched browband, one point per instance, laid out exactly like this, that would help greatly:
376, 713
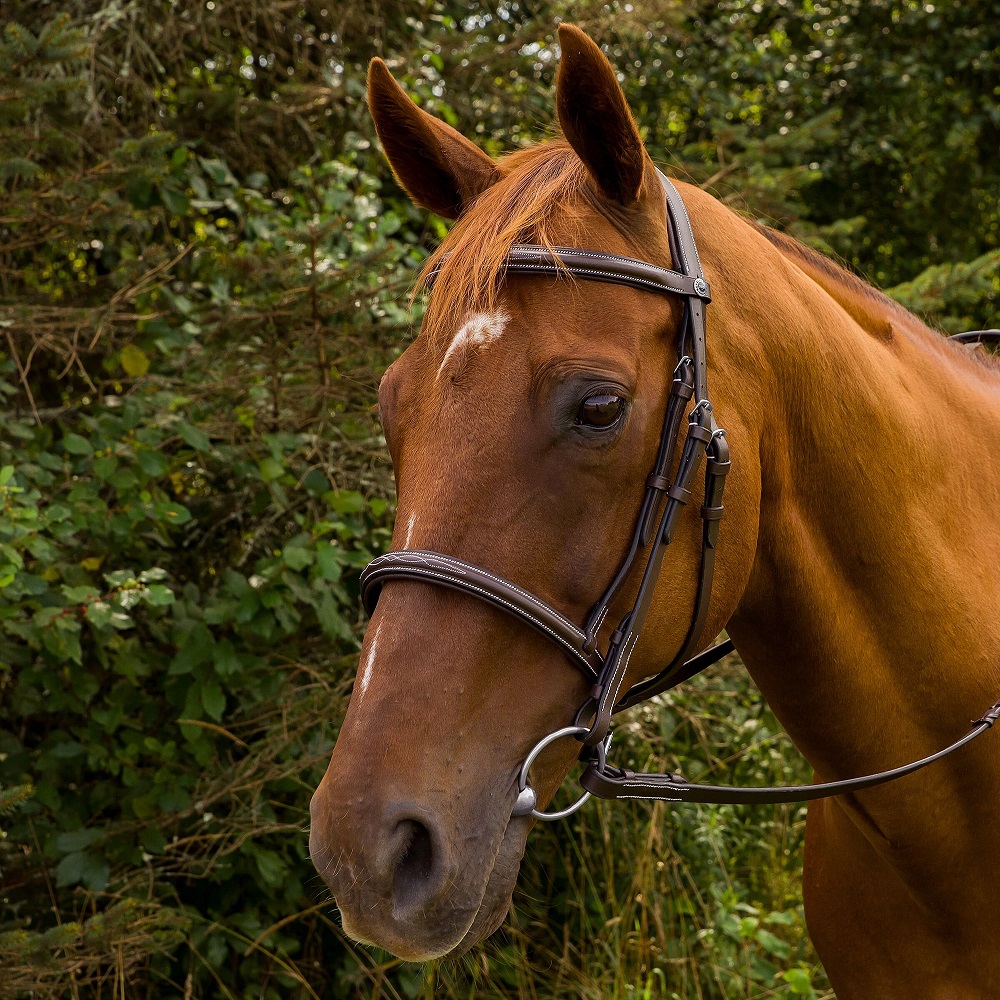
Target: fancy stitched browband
703, 439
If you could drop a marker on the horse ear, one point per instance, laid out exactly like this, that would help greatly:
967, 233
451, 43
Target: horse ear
438, 167
595, 117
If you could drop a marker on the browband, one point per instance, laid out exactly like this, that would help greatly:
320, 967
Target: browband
593, 265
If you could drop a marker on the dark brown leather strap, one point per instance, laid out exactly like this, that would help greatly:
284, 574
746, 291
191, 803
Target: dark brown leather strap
977, 337
618, 783
447, 571
626, 636
680, 668
593, 265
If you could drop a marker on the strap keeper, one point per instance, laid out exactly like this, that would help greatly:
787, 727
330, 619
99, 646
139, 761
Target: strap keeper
712, 513
990, 717
655, 482
679, 494
699, 433
683, 389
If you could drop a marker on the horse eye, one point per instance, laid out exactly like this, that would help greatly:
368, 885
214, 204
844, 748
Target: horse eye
601, 410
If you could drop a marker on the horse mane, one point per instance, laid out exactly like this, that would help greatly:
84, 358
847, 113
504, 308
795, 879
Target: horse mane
858, 297
550, 176
519, 208
829, 268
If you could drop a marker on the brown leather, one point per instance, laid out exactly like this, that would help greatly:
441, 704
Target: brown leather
618, 783
977, 337
447, 571
593, 265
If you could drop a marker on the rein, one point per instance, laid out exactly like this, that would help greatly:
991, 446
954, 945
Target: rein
704, 441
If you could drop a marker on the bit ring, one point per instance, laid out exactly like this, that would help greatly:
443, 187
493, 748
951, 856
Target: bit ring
526, 798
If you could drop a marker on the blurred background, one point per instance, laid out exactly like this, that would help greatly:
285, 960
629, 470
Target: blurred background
204, 269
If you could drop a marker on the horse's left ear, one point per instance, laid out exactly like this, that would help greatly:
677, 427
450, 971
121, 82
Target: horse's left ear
595, 117
439, 168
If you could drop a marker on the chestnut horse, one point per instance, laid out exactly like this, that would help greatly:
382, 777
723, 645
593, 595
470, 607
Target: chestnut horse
858, 567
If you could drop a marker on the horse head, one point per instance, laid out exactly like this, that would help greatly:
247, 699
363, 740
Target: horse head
522, 424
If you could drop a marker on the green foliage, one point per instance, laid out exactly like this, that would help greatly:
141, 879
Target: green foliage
40, 962
958, 296
203, 271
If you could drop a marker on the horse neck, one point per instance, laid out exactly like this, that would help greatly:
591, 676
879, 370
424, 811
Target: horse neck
867, 620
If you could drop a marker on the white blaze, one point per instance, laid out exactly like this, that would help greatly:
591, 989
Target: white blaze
479, 330
365, 675
411, 521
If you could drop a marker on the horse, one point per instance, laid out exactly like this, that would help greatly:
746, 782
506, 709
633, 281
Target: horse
857, 568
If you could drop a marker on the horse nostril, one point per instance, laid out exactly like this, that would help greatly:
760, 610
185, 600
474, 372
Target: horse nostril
414, 879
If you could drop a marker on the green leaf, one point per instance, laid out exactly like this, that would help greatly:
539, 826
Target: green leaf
272, 869
123, 480
77, 840
226, 660
330, 619
271, 469
297, 557
151, 462
316, 482
134, 360
5, 473
85, 867
345, 501
152, 840
174, 199
213, 700
196, 649
105, 466
328, 560
158, 595
174, 799
773, 945
799, 981
217, 170
194, 436
99, 614
77, 445
139, 191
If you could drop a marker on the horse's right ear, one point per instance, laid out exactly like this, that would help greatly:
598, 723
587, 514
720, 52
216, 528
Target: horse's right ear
438, 167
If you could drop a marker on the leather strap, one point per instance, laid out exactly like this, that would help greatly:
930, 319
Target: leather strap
618, 783
626, 636
680, 668
447, 571
977, 337
593, 265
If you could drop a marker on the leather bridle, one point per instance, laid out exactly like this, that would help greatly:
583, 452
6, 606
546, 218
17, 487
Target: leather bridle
655, 528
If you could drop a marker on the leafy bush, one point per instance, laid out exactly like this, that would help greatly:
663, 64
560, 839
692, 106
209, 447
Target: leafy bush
202, 265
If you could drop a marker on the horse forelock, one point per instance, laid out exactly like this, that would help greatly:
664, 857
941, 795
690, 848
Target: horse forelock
540, 184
